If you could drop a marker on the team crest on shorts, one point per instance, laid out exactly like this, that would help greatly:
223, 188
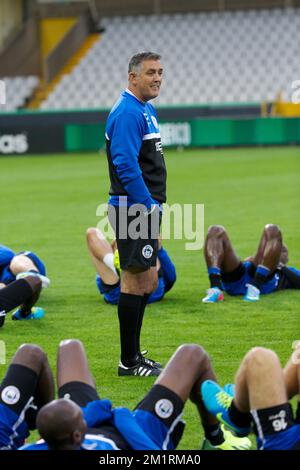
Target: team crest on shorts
10, 395
164, 408
147, 251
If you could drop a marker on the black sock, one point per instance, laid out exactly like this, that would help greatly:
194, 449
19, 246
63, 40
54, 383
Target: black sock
214, 275
215, 280
25, 311
140, 321
214, 434
261, 274
15, 294
240, 419
129, 308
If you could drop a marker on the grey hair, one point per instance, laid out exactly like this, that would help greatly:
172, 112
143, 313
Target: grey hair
137, 59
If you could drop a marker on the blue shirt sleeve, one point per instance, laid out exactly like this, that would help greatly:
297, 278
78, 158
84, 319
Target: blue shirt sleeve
126, 140
168, 268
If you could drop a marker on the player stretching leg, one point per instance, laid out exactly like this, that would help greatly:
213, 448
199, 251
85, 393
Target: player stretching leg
263, 273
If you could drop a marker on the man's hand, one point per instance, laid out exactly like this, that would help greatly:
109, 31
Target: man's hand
114, 245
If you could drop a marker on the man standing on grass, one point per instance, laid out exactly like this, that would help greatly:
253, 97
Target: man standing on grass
138, 188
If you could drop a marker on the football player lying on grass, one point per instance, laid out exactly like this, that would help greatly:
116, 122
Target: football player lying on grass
260, 399
22, 293
79, 419
17, 266
106, 261
264, 273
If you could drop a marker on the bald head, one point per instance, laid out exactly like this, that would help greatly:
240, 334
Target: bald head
61, 424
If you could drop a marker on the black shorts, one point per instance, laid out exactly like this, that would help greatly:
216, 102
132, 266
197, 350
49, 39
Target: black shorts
17, 392
276, 428
79, 392
162, 421
82, 394
136, 235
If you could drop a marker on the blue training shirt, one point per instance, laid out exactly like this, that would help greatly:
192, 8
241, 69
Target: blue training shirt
134, 152
98, 412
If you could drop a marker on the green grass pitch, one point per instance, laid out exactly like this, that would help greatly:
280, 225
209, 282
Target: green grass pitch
47, 203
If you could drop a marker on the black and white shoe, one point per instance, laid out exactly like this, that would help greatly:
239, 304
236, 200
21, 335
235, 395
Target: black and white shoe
141, 369
149, 361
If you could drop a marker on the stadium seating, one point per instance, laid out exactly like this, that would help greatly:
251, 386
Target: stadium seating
18, 90
245, 56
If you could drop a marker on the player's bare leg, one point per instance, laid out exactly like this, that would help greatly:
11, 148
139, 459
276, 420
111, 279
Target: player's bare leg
259, 382
270, 248
34, 358
291, 373
266, 260
21, 264
102, 256
219, 256
139, 282
187, 369
218, 250
72, 364
259, 385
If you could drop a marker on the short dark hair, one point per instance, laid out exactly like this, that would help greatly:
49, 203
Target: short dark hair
137, 59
